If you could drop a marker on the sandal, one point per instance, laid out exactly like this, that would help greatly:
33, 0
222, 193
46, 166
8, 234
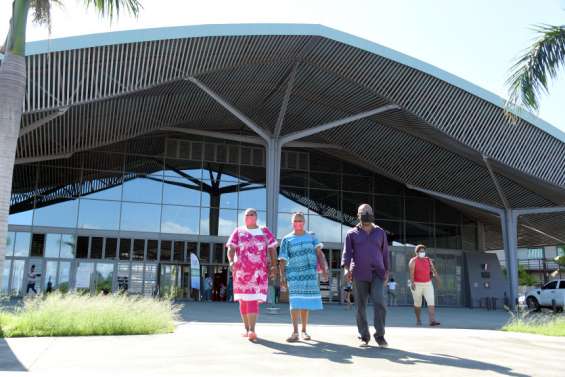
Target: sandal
251, 336
434, 323
305, 336
293, 338
245, 334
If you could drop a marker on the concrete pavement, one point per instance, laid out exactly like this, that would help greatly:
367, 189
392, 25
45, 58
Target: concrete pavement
208, 342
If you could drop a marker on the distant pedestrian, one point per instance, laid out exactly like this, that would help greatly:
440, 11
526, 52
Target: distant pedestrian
31, 280
422, 271
391, 291
208, 284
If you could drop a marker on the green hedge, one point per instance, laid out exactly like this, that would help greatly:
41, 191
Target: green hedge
79, 315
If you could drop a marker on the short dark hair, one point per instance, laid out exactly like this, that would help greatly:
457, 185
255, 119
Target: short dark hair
33, 266
419, 247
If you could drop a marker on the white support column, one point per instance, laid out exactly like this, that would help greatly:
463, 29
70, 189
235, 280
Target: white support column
273, 164
510, 240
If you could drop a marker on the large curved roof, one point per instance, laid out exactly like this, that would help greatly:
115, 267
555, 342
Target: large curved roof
90, 91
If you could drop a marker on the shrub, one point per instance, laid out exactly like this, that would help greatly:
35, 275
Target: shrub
79, 315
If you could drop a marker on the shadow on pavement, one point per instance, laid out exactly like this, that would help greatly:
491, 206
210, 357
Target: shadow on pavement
344, 354
8, 360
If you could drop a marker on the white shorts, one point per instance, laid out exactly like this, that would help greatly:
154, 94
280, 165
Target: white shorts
425, 290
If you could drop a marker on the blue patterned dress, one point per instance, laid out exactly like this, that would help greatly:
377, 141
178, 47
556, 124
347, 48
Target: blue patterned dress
299, 252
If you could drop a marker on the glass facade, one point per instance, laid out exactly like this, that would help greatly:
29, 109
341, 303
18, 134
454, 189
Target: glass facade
108, 220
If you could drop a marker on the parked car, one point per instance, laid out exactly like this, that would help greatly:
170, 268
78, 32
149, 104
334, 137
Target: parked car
551, 295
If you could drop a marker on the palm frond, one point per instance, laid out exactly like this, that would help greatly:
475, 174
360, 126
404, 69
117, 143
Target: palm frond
532, 72
111, 8
42, 11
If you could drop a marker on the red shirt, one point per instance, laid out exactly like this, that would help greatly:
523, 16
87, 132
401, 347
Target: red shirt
422, 270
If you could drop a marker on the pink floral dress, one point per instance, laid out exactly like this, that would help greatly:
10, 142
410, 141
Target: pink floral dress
250, 273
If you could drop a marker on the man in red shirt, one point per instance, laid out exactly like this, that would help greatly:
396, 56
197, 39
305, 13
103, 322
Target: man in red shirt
421, 272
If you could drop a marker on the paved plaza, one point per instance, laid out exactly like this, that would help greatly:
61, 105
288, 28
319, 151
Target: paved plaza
208, 342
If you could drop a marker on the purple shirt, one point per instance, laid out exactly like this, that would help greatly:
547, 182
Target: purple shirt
366, 253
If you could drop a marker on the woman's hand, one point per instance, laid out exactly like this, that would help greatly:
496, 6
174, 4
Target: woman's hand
273, 272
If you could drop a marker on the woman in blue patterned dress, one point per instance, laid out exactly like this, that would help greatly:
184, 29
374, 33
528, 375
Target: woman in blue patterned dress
300, 254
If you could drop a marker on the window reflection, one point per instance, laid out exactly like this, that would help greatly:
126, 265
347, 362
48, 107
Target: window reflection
141, 217
63, 214
252, 197
181, 220
104, 278
50, 274
326, 230
227, 222
23, 243
6, 276
289, 200
181, 191
99, 214
10, 238
63, 281
284, 224
52, 245
17, 277
67, 246
143, 189
21, 218
101, 185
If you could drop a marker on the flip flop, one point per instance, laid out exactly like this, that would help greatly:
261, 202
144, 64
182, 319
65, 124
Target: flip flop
252, 336
305, 336
434, 323
293, 338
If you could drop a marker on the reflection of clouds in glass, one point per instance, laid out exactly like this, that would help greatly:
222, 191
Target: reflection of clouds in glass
225, 226
172, 227
326, 230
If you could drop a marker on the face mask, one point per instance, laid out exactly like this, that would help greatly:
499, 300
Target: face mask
366, 218
250, 221
422, 254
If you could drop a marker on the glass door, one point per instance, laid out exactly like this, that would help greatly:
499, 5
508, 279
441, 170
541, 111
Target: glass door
104, 278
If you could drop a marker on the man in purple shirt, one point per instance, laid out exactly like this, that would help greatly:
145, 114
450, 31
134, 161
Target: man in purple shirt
366, 263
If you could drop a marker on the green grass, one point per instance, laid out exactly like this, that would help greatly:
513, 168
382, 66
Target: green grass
80, 315
541, 324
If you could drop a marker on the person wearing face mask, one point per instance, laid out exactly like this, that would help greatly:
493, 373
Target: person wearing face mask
365, 259
248, 247
422, 271
300, 253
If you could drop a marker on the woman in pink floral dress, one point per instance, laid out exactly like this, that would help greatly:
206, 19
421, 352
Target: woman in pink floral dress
247, 253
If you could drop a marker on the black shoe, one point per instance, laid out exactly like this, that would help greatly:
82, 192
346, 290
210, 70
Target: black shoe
381, 341
364, 341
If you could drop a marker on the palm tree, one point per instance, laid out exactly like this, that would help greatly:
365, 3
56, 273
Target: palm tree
530, 75
13, 86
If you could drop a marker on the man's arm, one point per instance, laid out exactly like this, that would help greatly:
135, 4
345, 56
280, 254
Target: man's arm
386, 257
346, 257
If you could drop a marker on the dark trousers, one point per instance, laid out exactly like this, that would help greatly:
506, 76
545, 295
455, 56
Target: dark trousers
32, 287
362, 291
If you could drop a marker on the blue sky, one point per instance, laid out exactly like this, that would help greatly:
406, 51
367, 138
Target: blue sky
476, 40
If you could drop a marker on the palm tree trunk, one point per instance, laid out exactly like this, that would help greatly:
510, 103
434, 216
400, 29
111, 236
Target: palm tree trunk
12, 91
